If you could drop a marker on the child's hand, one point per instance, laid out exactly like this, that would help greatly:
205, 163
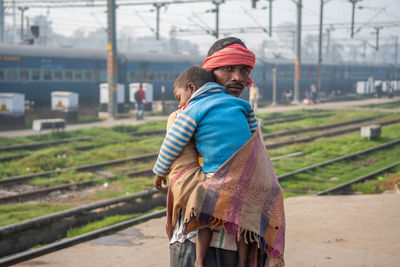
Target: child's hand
158, 181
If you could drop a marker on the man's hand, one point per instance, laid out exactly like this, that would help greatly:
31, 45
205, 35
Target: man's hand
158, 181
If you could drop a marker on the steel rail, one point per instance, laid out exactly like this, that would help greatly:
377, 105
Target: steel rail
326, 134
355, 154
64, 187
357, 180
18, 227
317, 128
40, 144
79, 239
22, 178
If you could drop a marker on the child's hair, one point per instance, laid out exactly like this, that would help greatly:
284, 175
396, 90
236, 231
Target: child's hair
196, 75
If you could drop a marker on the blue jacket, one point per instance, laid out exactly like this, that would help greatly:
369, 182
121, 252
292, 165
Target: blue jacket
220, 124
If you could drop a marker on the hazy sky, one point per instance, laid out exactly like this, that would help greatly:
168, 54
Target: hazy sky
137, 20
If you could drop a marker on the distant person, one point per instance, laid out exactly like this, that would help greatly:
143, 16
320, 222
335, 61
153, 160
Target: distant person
253, 96
313, 90
307, 97
140, 99
209, 115
390, 90
378, 89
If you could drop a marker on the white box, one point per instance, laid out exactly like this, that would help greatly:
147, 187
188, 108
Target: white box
147, 87
64, 101
104, 93
12, 103
361, 87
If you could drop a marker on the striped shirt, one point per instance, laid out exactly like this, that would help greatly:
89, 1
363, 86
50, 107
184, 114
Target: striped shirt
220, 124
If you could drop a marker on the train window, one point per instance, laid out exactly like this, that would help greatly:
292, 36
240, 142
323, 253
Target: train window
1, 75
132, 76
47, 75
68, 75
78, 75
12, 75
103, 76
88, 75
23, 75
163, 76
151, 76
35, 75
58, 75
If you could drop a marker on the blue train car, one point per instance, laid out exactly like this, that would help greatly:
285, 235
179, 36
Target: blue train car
37, 71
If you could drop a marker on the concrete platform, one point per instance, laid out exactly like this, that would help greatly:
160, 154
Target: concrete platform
361, 230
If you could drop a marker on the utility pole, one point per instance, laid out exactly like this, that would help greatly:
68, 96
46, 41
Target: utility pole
328, 41
270, 17
297, 60
321, 11
274, 103
2, 21
216, 10
377, 29
111, 60
158, 6
353, 2
22, 9
396, 51
364, 49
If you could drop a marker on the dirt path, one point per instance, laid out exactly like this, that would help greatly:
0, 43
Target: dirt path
321, 231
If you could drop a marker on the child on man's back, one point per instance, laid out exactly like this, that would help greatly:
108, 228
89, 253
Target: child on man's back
219, 123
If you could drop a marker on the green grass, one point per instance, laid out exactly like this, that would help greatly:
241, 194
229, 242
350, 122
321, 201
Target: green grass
392, 105
383, 182
335, 117
14, 213
340, 172
111, 220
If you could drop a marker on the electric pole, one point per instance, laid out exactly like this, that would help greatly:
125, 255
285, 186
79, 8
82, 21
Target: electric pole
328, 42
111, 60
2, 21
270, 17
216, 10
377, 29
396, 51
353, 2
297, 60
22, 9
321, 10
158, 6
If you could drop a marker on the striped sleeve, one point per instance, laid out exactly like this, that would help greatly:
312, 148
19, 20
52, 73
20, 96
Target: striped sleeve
177, 137
252, 121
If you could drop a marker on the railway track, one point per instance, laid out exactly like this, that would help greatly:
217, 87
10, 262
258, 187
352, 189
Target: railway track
36, 145
73, 186
18, 228
23, 178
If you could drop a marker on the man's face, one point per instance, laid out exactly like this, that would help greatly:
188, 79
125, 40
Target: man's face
182, 94
233, 78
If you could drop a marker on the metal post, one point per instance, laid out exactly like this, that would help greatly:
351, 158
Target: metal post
112, 60
22, 9
270, 17
320, 47
297, 61
328, 42
377, 37
353, 2
217, 3
396, 51
2, 21
163, 99
364, 49
158, 6
274, 87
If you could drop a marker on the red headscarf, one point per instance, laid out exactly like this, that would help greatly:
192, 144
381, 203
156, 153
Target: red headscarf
235, 54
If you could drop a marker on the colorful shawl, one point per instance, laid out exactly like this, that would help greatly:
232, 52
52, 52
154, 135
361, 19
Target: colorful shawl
243, 195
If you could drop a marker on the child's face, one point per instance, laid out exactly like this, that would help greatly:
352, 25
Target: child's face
183, 95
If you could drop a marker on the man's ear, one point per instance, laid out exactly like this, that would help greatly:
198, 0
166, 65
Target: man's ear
192, 87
